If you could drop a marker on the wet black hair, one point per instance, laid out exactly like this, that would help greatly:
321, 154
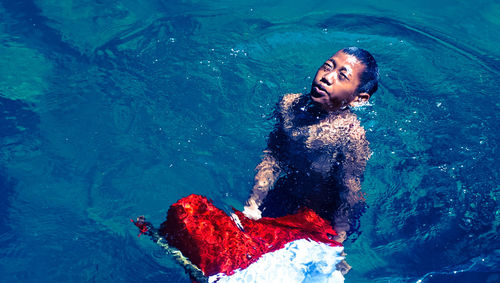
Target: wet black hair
370, 76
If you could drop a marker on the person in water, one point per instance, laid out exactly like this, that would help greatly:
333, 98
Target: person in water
317, 153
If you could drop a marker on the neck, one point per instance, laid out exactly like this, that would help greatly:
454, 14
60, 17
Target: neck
328, 109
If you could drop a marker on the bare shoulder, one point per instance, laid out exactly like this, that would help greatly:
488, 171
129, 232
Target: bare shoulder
357, 147
288, 100
356, 131
285, 108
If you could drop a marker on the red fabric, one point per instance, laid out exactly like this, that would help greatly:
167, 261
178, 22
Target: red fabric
212, 241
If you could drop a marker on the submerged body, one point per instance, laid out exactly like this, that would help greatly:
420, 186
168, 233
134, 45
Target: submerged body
316, 159
318, 151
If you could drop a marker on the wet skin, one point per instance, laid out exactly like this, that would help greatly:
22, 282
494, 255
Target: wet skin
336, 82
319, 147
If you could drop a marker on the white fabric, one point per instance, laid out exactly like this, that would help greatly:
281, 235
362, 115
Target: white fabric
299, 261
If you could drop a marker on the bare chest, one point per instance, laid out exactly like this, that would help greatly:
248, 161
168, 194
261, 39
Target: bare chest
317, 146
323, 135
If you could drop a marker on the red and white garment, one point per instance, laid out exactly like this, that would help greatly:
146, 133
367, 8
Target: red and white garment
293, 248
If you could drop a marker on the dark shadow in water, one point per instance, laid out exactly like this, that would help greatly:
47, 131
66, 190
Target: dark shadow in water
16, 117
7, 186
17, 122
469, 277
33, 28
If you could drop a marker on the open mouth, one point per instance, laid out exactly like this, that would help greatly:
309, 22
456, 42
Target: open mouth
318, 91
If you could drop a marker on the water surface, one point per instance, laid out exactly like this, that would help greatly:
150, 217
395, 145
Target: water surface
111, 109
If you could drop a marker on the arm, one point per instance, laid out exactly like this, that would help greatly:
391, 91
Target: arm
357, 153
269, 169
267, 173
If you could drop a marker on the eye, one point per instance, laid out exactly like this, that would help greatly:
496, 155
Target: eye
342, 77
327, 67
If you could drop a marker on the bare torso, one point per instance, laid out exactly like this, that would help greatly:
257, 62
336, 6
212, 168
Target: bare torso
318, 152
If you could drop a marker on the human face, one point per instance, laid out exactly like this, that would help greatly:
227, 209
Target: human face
336, 82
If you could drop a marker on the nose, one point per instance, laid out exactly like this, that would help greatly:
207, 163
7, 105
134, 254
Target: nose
328, 78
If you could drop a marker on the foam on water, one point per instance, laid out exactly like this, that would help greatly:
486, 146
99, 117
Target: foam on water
299, 261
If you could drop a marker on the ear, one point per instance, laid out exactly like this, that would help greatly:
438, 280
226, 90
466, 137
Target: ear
360, 98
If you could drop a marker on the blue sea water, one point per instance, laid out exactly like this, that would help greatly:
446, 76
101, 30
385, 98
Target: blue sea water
112, 109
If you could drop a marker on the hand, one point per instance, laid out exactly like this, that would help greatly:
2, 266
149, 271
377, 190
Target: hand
252, 212
341, 236
343, 267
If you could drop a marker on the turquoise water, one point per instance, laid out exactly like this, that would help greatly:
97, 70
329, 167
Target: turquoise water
112, 109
